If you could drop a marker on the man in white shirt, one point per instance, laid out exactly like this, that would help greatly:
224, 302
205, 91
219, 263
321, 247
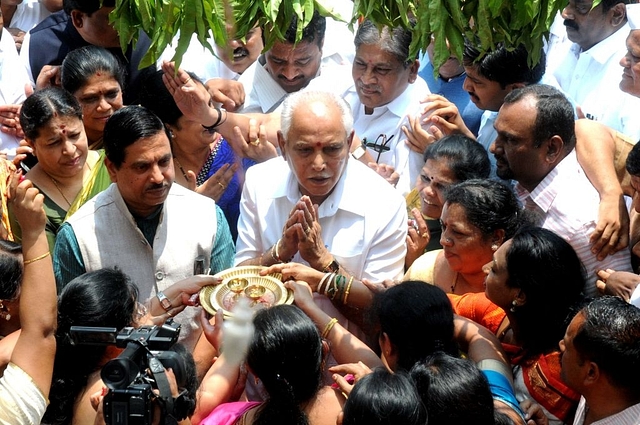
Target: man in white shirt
590, 72
315, 205
601, 361
288, 67
535, 147
386, 88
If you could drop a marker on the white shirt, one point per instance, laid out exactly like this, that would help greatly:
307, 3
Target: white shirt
388, 120
569, 206
28, 14
629, 416
558, 45
13, 78
591, 80
364, 220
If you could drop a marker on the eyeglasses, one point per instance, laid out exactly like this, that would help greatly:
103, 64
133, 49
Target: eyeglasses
380, 145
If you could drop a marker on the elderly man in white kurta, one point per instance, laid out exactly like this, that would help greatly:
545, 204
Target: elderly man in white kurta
318, 206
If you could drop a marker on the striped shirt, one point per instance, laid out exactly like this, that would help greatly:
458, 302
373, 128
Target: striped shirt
629, 416
567, 204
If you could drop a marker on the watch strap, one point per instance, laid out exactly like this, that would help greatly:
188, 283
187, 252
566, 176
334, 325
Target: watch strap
358, 152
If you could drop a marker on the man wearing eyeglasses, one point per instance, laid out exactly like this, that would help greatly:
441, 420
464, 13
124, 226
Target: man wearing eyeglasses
386, 89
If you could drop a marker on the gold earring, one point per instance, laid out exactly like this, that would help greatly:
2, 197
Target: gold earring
494, 247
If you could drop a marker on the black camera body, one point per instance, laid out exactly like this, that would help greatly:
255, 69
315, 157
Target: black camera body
133, 376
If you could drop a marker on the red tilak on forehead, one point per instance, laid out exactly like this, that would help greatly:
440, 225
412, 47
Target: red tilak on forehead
98, 74
318, 145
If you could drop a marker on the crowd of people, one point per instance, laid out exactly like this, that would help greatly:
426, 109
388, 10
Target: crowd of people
459, 243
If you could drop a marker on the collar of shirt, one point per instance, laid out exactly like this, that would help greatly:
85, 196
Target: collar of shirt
546, 191
610, 46
343, 197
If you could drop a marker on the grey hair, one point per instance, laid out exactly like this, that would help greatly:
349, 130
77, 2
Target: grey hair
305, 97
395, 41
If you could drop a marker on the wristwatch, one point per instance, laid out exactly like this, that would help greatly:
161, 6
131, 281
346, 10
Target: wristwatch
332, 267
164, 301
359, 152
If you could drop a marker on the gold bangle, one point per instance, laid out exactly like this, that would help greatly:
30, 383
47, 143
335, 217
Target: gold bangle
39, 257
346, 292
328, 328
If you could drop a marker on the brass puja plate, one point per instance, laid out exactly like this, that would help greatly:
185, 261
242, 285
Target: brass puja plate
244, 282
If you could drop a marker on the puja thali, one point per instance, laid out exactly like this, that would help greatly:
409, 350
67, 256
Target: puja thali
244, 282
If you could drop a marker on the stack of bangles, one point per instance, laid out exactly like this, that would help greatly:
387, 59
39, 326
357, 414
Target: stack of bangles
334, 287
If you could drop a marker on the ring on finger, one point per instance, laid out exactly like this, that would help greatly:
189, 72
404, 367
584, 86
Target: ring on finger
222, 186
187, 82
255, 142
425, 235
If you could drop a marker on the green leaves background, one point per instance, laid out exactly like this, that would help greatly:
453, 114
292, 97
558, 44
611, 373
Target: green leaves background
490, 22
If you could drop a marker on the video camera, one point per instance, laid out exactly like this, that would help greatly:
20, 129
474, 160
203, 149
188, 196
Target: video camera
133, 376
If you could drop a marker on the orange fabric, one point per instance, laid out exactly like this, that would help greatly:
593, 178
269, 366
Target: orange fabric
477, 307
541, 376
544, 382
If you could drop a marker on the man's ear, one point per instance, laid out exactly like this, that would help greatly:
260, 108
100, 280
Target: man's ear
413, 71
617, 14
77, 18
593, 374
555, 148
511, 87
282, 143
111, 168
350, 138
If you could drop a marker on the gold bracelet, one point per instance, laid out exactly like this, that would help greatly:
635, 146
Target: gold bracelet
39, 257
328, 328
346, 292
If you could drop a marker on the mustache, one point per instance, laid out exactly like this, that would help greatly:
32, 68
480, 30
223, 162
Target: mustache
571, 24
296, 78
158, 186
371, 87
241, 51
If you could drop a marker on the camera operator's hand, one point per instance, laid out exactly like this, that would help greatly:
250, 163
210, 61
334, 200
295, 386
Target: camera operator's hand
96, 402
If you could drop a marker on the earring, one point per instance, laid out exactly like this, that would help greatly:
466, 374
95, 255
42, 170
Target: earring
171, 134
494, 247
514, 304
4, 312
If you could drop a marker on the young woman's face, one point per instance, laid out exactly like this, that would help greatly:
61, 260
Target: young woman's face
495, 284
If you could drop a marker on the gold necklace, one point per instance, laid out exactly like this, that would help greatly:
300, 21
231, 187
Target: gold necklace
58, 187
55, 182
